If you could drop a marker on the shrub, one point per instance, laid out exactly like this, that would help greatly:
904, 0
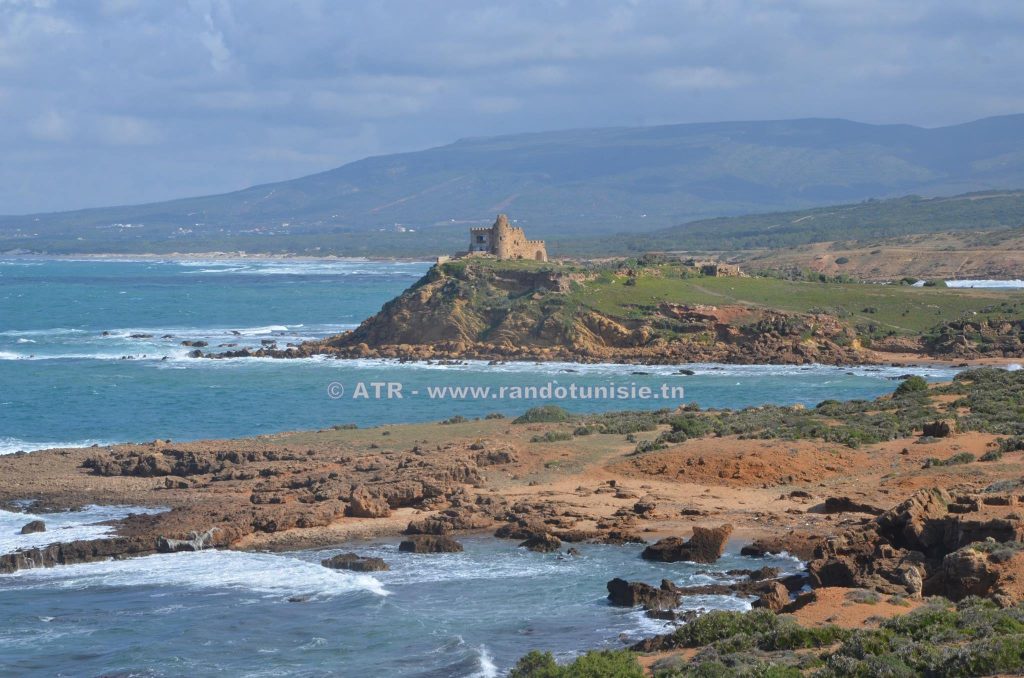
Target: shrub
595, 664
457, 419
914, 384
955, 460
992, 455
552, 437
494, 415
543, 414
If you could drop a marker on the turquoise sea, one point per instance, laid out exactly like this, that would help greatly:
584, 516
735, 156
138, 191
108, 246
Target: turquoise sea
90, 351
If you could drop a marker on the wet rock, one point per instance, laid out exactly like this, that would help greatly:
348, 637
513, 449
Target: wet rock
195, 343
33, 527
630, 594
428, 543
543, 543
356, 563
196, 542
705, 546
798, 544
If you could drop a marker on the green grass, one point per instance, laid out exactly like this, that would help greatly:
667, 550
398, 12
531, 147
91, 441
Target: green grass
899, 308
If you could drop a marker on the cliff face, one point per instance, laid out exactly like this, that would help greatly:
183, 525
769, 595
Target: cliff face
480, 310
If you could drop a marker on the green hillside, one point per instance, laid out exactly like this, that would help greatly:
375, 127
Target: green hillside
872, 219
565, 185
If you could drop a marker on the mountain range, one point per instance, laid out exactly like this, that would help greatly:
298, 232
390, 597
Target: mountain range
561, 185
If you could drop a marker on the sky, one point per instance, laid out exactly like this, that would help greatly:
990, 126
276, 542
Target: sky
106, 102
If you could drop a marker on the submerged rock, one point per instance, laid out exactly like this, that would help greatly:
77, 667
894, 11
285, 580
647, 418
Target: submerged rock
705, 546
430, 543
630, 594
34, 527
356, 563
543, 543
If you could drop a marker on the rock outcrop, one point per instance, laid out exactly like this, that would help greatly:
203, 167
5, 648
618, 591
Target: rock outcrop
34, 526
363, 504
428, 543
705, 546
355, 563
542, 543
631, 594
928, 545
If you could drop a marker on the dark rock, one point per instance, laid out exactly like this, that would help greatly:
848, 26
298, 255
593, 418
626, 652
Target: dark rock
356, 563
543, 543
798, 544
33, 527
705, 546
429, 543
631, 594
196, 542
645, 506
848, 505
938, 429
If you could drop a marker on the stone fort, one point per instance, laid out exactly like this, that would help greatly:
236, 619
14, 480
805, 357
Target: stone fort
505, 242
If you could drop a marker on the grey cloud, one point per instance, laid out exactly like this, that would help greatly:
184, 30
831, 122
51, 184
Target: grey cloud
118, 101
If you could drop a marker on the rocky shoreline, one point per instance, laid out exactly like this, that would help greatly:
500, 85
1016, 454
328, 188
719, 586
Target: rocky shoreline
884, 498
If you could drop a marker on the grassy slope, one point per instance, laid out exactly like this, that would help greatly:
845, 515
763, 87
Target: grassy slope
873, 219
907, 310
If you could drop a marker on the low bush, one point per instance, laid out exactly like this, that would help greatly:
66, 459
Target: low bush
543, 414
595, 664
552, 437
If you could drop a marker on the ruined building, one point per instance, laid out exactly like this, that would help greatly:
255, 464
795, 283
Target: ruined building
505, 242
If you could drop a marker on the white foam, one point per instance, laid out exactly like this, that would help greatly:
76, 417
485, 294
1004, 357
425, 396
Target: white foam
10, 445
211, 571
987, 283
488, 669
62, 527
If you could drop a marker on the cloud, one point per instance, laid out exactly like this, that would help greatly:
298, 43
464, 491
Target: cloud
688, 77
126, 130
49, 126
170, 99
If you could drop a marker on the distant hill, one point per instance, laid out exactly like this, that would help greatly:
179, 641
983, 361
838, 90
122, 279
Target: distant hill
871, 219
564, 184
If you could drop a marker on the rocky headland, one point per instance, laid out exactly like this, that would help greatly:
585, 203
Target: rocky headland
661, 314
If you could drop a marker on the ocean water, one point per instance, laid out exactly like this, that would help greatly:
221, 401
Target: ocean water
470, 614
83, 358
73, 373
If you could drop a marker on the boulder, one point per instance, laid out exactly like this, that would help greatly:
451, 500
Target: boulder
196, 542
630, 594
848, 505
363, 504
938, 429
986, 569
774, 599
33, 527
430, 543
705, 546
645, 506
543, 543
356, 563
798, 544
